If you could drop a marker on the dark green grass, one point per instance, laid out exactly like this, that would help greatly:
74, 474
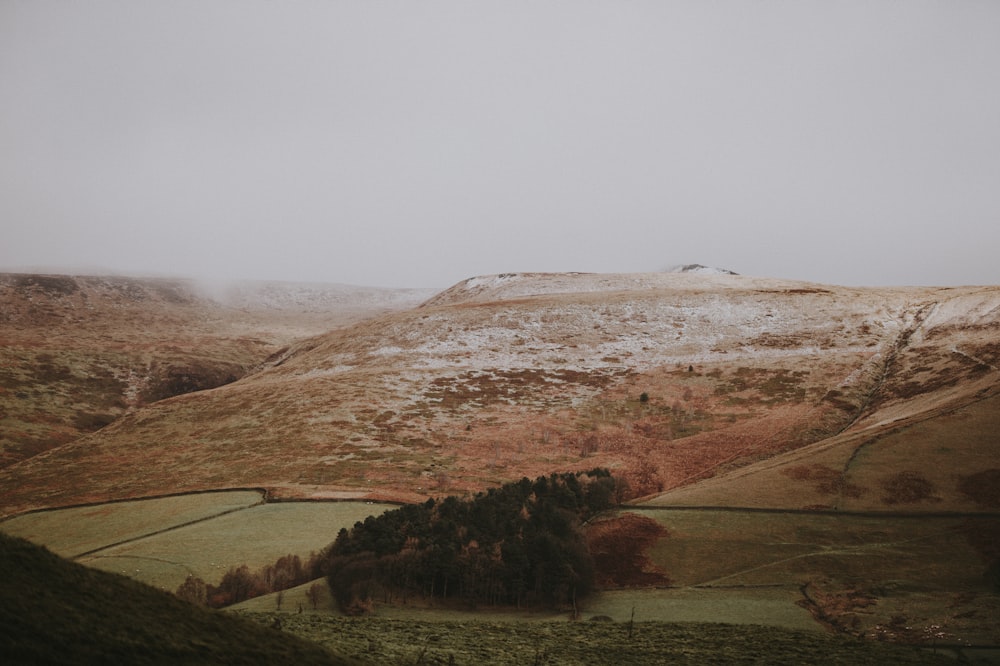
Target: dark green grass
55, 612
383, 641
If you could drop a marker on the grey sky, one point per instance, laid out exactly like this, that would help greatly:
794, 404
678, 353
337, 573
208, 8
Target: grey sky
400, 143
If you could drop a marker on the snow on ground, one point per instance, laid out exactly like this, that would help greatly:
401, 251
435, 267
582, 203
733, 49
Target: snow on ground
635, 329
550, 323
507, 286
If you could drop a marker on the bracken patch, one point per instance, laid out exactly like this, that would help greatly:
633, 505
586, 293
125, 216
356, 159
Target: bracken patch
618, 546
828, 481
983, 488
907, 487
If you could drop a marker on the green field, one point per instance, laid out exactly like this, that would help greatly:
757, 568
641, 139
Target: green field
202, 535
72, 532
862, 571
728, 548
56, 612
255, 537
857, 573
767, 606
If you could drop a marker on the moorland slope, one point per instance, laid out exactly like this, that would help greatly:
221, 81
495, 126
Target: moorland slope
79, 352
699, 389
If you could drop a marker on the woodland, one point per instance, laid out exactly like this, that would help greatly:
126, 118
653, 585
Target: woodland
520, 544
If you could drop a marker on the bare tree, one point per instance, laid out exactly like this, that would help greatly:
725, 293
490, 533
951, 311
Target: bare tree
314, 593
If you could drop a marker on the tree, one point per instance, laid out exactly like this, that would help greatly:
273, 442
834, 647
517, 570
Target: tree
239, 584
314, 594
193, 590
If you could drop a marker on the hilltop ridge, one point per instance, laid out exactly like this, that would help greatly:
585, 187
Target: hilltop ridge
502, 286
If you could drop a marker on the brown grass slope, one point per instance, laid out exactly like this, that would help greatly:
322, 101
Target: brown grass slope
78, 352
925, 439
514, 375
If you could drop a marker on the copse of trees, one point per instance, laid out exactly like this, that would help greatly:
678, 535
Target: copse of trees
520, 544
240, 584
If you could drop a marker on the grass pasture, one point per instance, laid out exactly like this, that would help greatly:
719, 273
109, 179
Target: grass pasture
713, 548
255, 537
772, 606
856, 572
74, 531
860, 574
292, 600
162, 541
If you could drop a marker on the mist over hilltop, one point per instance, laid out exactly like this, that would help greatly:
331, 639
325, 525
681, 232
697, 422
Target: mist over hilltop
397, 145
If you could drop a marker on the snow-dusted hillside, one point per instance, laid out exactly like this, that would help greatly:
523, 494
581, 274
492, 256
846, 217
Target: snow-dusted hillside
506, 286
510, 375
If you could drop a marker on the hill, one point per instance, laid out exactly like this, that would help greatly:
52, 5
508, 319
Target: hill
79, 352
56, 612
710, 388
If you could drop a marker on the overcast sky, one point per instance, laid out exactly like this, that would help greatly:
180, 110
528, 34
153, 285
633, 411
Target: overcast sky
401, 143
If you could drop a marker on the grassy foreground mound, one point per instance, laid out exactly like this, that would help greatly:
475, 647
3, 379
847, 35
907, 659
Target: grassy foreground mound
373, 640
56, 612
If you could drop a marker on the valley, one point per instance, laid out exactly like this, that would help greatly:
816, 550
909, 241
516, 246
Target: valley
819, 458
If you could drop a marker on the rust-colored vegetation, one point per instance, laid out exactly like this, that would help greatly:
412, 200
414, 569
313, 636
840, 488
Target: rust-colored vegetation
983, 488
907, 487
618, 546
826, 480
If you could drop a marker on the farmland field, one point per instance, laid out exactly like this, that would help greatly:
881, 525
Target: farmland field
726, 548
74, 531
856, 572
202, 534
799, 571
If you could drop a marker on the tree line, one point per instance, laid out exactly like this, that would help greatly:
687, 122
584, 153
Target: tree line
240, 583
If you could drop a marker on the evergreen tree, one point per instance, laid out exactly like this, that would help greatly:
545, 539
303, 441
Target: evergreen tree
520, 543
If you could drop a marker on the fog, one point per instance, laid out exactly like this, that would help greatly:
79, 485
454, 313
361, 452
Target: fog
400, 143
